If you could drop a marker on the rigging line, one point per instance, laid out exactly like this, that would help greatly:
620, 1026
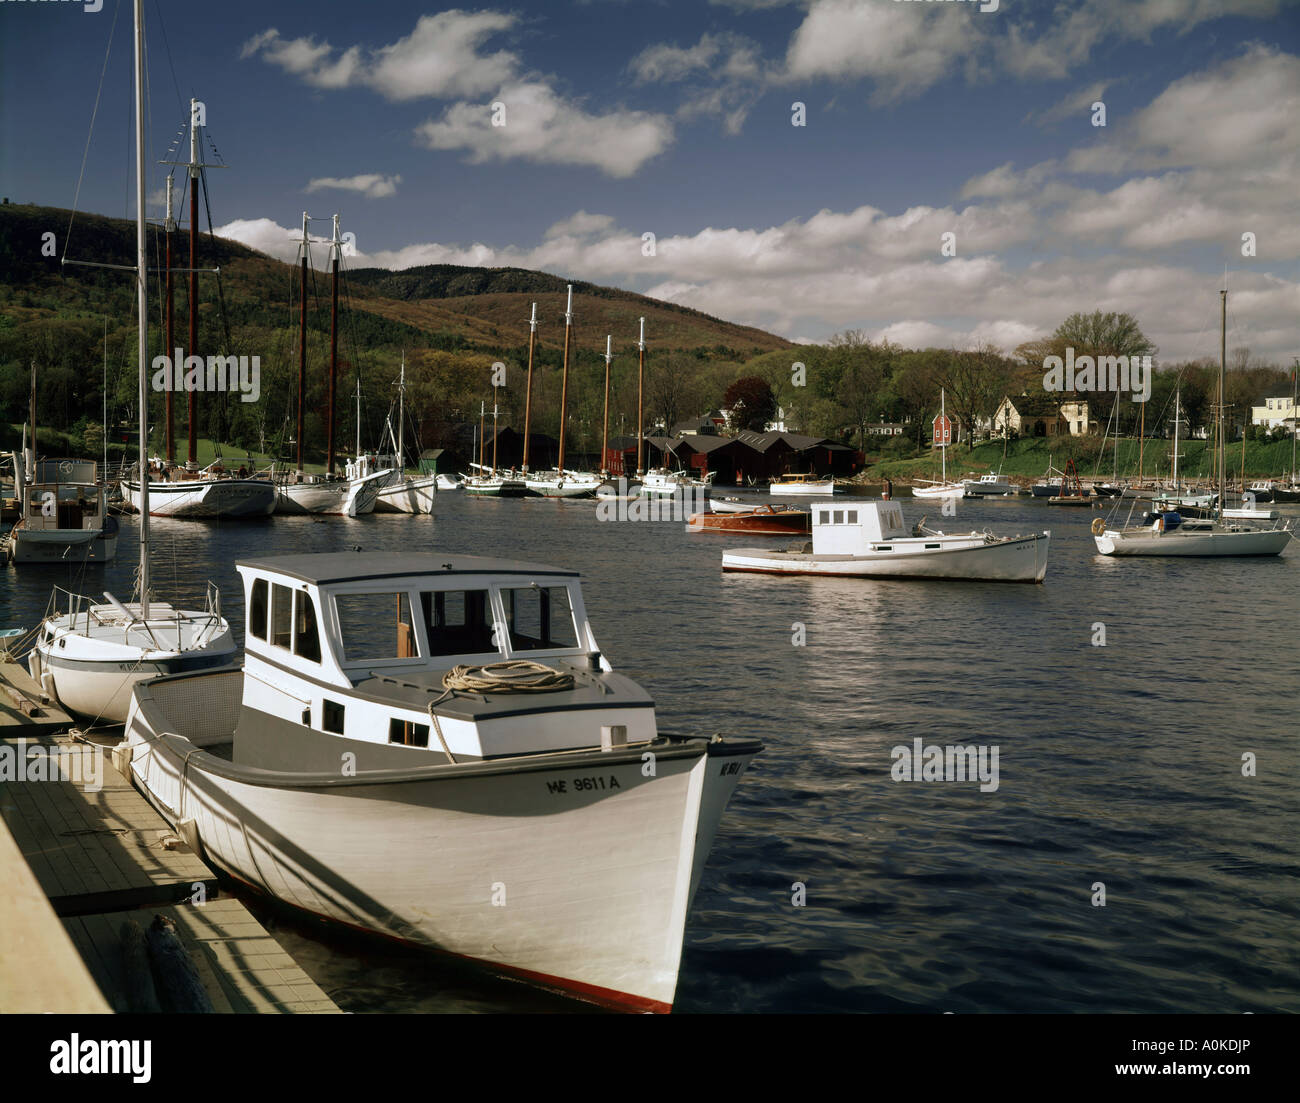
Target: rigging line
85, 155
162, 27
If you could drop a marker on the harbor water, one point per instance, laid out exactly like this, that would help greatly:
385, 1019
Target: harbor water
1138, 853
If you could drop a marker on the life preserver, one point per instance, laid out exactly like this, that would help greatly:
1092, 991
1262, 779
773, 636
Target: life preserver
1098, 526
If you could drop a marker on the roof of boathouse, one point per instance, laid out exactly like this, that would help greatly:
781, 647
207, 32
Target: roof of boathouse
332, 568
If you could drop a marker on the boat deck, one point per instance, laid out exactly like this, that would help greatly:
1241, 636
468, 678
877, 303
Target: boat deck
102, 856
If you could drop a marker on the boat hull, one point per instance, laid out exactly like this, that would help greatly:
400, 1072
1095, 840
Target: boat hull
62, 545
1193, 544
825, 487
205, 499
95, 677
945, 490
573, 871
408, 496
1018, 559
758, 522
337, 497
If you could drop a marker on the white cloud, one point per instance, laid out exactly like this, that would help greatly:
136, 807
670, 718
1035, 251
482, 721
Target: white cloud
372, 185
543, 126
439, 58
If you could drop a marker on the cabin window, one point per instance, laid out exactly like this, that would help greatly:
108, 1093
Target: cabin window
458, 622
852, 516
407, 733
839, 516
281, 615
257, 609
331, 717
306, 639
375, 627
539, 618
825, 517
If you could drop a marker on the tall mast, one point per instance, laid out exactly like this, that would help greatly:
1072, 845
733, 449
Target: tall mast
401, 420
104, 394
494, 431
564, 379
640, 404
336, 249
1142, 439
192, 455
358, 415
169, 226
528, 393
302, 336
142, 307
1223, 369
482, 417
943, 451
1295, 423
1178, 404
604, 432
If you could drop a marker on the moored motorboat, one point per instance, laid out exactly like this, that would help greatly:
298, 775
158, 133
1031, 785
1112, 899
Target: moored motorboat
989, 486
802, 484
764, 520
478, 786
868, 540
63, 515
659, 482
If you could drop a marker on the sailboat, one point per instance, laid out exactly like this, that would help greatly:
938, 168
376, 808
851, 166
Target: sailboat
402, 493
90, 657
610, 490
561, 482
302, 493
943, 489
487, 483
188, 492
1169, 533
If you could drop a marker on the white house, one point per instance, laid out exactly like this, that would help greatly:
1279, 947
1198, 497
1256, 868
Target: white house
1275, 413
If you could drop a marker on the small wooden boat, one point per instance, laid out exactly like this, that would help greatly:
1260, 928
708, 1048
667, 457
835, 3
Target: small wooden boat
765, 520
1071, 492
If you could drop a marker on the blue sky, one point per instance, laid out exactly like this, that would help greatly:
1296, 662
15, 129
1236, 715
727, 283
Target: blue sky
623, 118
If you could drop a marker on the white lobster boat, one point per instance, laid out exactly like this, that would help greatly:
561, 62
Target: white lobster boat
868, 540
659, 482
531, 818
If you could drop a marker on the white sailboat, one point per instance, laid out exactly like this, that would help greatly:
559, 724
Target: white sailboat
1168, 533
560, 482
90, 657
942, 489
402, 493
301, 493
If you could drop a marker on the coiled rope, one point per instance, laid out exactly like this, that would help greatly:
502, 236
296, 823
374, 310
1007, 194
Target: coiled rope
515, 676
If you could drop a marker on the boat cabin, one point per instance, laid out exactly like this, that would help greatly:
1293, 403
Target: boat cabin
355, 645
857, 529
63, 494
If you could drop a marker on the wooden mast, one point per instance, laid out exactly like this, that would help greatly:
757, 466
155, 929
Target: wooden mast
142, 307
604, 432
482, 419
192, 454
640, 404
336, 249
528, 392
564, 379
302, 336
169, 228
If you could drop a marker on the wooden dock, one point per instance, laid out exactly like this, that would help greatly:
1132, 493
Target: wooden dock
24, 709
101, 855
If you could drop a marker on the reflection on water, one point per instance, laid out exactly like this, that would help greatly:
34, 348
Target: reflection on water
1119, 764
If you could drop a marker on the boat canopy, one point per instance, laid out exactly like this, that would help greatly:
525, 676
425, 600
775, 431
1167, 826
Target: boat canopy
340, 617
